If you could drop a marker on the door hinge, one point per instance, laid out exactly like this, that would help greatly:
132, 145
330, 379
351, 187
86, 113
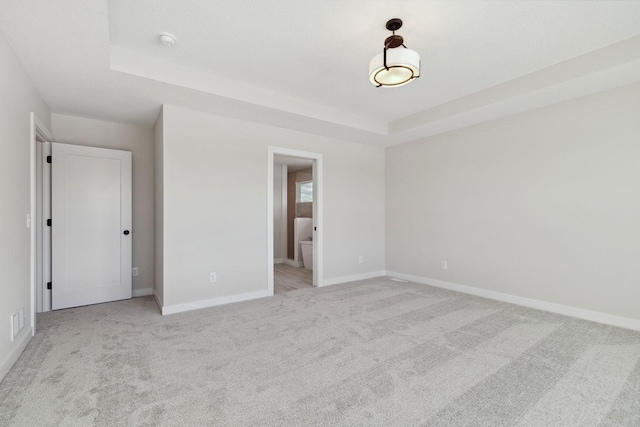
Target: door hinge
48, 285
49, 222
48, 159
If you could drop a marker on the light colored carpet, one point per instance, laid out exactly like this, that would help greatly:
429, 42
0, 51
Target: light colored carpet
374, 352
287, 278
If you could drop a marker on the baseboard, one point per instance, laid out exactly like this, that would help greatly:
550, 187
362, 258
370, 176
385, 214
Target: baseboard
144, 292
12, 357
195, 305
353, 278
580, 313
292, 263
277, 261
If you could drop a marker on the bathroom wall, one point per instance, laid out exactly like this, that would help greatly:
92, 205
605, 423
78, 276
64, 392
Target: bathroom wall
304, 210
296, 210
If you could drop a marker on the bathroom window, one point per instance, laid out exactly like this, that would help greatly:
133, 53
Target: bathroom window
304, 191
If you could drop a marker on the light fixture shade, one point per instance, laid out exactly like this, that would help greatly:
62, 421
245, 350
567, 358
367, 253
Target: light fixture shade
403, 65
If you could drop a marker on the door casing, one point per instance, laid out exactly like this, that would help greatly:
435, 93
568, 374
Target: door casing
318, 233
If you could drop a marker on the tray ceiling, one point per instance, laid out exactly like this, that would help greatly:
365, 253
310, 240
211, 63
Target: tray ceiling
303, 64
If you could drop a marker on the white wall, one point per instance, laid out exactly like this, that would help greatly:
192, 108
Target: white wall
543, 205
277, 213
19, 98
215, 219
158, 161
138, 140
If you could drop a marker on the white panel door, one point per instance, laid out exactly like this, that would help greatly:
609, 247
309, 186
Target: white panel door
91, 225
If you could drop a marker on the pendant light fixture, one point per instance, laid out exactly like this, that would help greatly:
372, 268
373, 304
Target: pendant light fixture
396, 65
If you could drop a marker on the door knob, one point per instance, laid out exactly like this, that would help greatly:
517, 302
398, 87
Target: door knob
126, 232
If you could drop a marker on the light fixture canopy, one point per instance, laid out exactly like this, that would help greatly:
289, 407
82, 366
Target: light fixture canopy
394, 67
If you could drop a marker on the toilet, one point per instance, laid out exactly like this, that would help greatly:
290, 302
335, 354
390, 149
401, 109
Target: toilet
307, 253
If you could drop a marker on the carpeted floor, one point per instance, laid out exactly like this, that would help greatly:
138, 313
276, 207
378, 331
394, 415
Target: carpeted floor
375, 352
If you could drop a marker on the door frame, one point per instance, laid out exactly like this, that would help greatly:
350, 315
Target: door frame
283, 172
43, 232
39, 131
318, 233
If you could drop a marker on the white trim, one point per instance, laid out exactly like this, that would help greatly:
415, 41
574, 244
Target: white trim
317, 211
278, 261
353, 278
158, 300
270, 165
34, 213
37, 129
318, 221
195, 305
45, 196
284, 243
144, 292
40, 229
12, 357
580, 313
293, 262
42, 129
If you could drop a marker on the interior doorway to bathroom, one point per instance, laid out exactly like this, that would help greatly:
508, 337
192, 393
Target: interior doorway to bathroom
293, 223
295, 256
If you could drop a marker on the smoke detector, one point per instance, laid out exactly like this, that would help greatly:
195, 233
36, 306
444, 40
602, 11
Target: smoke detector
167, 39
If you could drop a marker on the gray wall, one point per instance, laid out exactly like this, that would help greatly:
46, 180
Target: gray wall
138, 140
215, 219
19, 98
543, 205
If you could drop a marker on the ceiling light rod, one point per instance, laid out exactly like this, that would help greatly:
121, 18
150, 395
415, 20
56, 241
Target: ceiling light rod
398, 67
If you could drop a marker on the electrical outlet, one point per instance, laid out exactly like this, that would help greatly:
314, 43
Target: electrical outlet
213, 277
361, 259
17, 323
134, 271
443, 265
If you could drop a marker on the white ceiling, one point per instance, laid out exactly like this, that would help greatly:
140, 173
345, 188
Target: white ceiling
302, 64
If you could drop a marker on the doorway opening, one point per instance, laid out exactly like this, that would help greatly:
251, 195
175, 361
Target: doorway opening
295, 214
